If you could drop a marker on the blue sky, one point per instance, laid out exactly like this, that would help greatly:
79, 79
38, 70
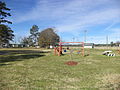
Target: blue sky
70, 18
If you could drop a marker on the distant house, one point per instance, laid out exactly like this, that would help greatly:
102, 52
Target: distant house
17, 45
88, 45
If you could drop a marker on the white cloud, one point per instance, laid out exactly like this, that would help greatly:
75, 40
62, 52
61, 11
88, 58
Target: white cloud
74, 15
94, 18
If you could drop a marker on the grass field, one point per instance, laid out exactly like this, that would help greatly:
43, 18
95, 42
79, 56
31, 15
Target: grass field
36, 69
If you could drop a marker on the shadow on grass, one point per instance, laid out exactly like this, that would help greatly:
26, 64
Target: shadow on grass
12, 52
18, 58
4, 64
18, 55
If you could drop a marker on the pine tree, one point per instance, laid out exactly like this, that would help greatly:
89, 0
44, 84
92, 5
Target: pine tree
6, 34
34, 34
4, 13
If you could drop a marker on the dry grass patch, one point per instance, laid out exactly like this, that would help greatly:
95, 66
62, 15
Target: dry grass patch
110, 81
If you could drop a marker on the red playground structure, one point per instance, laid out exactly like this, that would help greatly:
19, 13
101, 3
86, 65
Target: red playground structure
58, 50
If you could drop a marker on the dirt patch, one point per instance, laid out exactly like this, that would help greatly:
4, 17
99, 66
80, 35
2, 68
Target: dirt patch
71, 63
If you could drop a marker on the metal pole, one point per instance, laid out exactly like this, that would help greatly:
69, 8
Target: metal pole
107, 41
73, 39
85, 31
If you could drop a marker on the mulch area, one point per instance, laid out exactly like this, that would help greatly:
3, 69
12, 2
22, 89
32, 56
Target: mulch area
71, 63
118, 51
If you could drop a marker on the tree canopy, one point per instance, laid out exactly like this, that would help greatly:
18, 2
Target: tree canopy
34, 34
48, 37
26, 41
4, 13
6, 34
32, 39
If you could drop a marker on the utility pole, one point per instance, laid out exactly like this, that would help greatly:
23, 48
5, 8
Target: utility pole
107, 41
73, 39
85, 31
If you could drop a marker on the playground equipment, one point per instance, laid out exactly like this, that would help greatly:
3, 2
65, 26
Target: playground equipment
59, 50
108, 53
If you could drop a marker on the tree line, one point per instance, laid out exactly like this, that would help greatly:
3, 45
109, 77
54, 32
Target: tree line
44, 38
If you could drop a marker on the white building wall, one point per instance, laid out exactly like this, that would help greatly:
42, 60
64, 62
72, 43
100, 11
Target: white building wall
87, 46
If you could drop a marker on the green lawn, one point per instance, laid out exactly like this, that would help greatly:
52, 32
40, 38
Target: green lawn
33, 69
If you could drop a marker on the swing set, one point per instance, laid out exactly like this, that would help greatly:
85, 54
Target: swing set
59, 50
